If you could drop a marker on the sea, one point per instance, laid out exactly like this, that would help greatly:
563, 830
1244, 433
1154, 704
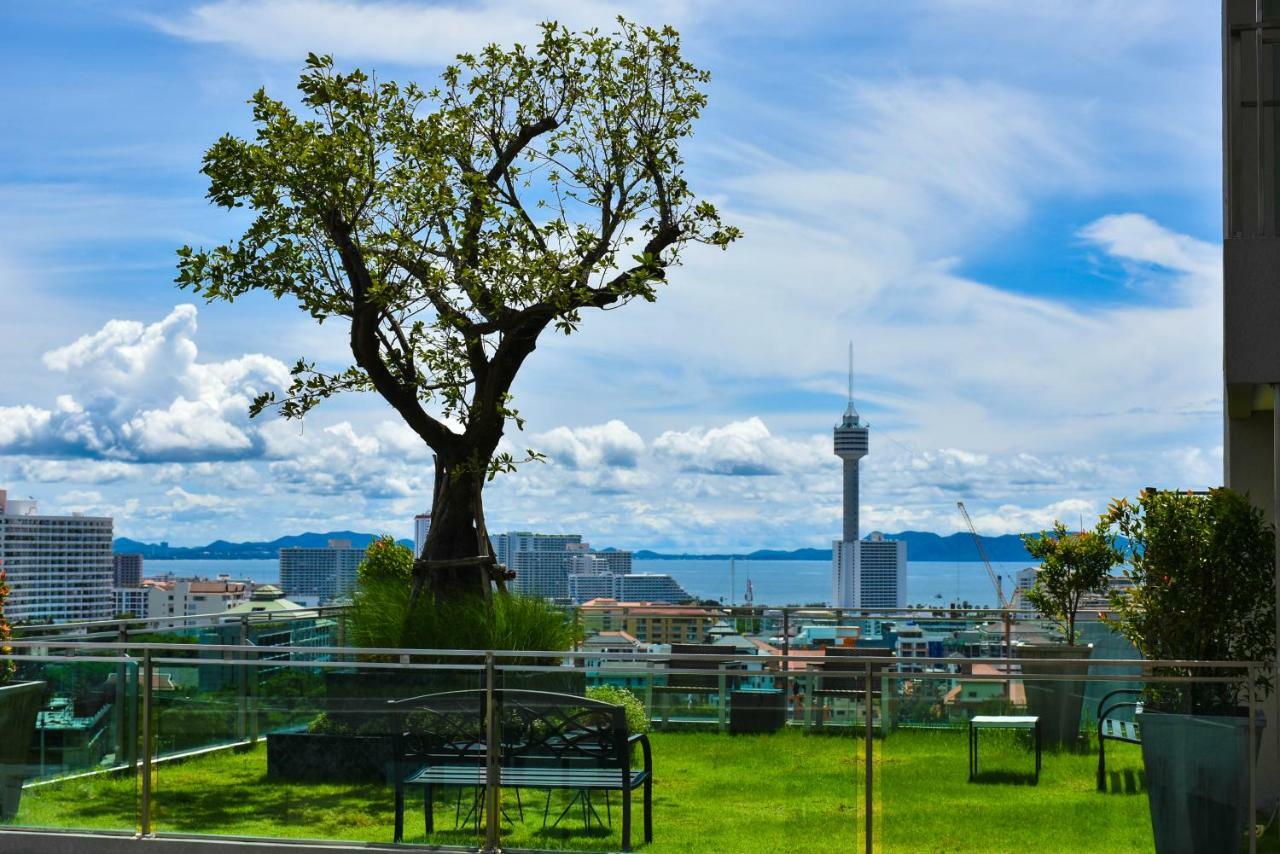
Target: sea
773, 582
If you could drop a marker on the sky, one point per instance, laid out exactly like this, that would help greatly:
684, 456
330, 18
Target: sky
1012, 210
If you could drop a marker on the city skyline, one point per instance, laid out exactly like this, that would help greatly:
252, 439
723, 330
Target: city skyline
993, 311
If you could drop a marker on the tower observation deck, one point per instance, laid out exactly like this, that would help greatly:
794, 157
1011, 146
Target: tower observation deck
851, 445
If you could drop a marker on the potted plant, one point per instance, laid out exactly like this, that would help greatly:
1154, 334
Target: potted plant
19, 704
1072, 565
1203, 573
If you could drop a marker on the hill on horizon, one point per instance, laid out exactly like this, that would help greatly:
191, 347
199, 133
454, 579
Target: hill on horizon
921, 545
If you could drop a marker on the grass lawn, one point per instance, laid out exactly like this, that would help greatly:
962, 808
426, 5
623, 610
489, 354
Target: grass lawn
780, 793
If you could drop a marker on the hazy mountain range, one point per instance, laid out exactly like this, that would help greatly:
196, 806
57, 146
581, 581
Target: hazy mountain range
921, 545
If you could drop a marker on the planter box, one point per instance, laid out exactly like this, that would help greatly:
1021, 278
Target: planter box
757, 711
1197, 780
304, 757
1056, 701
19, 704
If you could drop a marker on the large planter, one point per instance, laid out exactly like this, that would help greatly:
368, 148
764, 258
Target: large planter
1197, 770
306, 757
1055, 701
19, 704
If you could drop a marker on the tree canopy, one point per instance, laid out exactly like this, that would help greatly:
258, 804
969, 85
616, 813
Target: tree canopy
1073, 564
448, 227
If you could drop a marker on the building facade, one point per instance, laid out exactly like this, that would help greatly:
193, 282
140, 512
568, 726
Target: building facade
869, 573
324, 574
421, 526
633, 587
180, 597
647, 623
127, 570
59, 568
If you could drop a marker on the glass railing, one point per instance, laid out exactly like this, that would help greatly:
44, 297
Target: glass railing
830, 748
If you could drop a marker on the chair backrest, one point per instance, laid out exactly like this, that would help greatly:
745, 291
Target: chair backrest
537, 728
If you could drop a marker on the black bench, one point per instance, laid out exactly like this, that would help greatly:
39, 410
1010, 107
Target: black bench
1111, 728
548, 741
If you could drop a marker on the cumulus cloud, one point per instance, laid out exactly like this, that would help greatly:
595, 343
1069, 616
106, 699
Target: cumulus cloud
140, 393
611, 444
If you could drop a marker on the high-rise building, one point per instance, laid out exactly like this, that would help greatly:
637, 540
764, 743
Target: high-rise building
325, 574
870, 573
421, 525
59, 567
127, 569
637, 586
543, 562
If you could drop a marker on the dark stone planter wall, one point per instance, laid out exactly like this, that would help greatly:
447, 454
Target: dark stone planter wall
305, 757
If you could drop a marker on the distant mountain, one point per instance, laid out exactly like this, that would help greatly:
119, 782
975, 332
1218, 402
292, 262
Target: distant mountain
223, 550
921, 545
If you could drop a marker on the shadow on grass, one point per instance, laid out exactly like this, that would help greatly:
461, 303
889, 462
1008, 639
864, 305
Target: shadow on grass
1128, 782
1006, 778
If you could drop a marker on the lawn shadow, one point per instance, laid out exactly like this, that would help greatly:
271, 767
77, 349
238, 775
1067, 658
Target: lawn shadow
1127, 782
1010, 778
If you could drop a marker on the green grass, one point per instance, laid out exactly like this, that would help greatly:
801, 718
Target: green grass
781, 793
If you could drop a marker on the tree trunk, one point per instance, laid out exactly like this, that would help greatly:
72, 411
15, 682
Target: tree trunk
453, 535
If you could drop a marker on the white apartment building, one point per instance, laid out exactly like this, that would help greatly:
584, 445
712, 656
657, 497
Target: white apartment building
544, 563
421, 526
325, 574
180, 597
59, 567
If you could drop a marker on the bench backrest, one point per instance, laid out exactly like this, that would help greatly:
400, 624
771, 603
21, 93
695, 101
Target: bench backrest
537, 728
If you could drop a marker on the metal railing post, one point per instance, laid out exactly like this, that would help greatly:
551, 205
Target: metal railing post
786, 632
492, 775
721, 684
242, 684
870, 741
148, 738
1253, 763
123, 754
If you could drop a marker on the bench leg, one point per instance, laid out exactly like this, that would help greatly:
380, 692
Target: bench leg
399, 829
428, 802
648, 808
626, 819
1102, 763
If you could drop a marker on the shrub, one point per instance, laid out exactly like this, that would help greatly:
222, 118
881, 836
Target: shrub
1203, 572
381, 616
637, 717
386, 560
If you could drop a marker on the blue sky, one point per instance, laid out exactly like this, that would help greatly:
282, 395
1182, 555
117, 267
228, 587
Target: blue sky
1012, 209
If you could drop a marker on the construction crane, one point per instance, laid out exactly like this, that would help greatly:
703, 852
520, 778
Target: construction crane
982, 553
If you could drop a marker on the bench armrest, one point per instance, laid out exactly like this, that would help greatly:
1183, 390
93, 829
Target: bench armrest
643, 740
1105, 697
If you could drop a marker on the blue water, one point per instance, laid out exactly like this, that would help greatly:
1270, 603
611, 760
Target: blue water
774, 582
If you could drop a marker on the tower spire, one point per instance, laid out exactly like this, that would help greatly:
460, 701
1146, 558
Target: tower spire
850, 413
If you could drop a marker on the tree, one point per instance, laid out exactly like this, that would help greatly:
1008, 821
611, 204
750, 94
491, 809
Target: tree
450, 227
1072, 565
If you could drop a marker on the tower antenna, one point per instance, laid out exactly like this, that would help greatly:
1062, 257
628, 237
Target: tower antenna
850, 373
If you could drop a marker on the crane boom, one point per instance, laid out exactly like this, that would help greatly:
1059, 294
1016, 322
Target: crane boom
982, 553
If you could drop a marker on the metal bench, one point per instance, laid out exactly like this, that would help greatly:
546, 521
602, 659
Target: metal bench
1112, 728
548, 741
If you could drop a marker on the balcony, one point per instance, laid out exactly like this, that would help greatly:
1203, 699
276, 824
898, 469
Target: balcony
216, 736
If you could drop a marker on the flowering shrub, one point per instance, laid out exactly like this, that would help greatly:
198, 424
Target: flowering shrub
6, 666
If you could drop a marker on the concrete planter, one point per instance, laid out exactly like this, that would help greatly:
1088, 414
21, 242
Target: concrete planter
1197, 780
1055, 701
19, 704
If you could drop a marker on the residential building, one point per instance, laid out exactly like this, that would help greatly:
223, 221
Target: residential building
59, 567
421, 526
635, 587
324, 574
609, 661
543, 564
869, 573
180, 597
127, 569
646, 621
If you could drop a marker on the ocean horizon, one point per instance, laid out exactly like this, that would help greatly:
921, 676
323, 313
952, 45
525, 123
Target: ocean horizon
773, 582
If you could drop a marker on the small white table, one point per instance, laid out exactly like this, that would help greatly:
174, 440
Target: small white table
981, 722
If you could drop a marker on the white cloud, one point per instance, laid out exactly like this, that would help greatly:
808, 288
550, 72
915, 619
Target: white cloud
403, 32
612, 444
141, 394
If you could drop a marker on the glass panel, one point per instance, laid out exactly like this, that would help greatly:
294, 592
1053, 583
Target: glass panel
66, 755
